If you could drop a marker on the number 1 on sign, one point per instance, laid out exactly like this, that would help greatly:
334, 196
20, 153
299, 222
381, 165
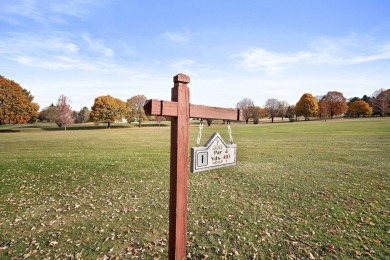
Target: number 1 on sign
215, 154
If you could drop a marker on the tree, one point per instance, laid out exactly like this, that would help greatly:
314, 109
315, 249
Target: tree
48, 113
244, 106
82, 116
335, 102
256, 113
307, 106
359, 107
107, 109
64, 112
381, 101
272, 105
283, 106
324, 107
135, 106
16, 103
159, 119
366, 98
353, 100
61, 113
290, 113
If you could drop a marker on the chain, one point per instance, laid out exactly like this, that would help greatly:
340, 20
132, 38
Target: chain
200, 132
230, 132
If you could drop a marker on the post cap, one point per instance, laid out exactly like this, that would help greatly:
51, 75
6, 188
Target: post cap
181, 78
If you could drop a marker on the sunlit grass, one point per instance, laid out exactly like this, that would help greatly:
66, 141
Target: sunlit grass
307, 189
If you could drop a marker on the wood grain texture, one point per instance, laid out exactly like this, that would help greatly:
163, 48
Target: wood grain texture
152, 107
169, 108
206, 112
179, 173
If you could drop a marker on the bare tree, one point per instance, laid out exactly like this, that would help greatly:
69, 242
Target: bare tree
272, 104
159, 119
381, 100
283, 106
244, 105
135, 105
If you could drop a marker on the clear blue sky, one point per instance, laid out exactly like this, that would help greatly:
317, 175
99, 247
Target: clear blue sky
230, 49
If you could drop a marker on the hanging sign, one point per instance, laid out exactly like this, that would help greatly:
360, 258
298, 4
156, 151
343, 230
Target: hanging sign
214, 154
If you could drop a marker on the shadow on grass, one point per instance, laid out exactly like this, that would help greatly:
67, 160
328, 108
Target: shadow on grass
53, 127
74, 127
152, 125
9, 131
84, 127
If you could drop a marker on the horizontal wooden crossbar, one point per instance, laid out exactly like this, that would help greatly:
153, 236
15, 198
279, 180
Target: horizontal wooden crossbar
169, 108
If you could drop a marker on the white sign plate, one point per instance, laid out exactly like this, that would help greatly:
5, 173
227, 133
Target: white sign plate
214, 154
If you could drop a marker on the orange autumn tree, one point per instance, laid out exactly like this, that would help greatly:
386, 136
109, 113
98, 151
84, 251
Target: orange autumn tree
16, 103
333, 103
359, 107
307, 106
324, 107
108, 109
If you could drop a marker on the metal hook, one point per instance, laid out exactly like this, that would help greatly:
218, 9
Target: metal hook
200, 132
230, 132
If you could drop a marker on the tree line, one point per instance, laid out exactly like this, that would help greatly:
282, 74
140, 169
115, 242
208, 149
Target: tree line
329, 105
17, 107
106, 109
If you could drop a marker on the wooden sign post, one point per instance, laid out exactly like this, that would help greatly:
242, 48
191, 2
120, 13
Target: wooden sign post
180, 109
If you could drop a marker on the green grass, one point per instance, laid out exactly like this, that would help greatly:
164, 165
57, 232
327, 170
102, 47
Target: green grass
308, 189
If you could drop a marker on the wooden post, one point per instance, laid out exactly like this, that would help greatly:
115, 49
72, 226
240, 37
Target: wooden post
179, 169
180, 109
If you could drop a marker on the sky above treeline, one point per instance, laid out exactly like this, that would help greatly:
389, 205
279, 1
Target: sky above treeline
230, 49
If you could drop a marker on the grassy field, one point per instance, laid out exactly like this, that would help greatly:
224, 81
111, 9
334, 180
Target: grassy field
299, 190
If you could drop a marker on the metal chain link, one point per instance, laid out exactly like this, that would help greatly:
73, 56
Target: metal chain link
230, 132
200, 133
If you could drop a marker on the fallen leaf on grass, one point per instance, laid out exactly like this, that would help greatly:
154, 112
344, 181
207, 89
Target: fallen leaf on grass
357, 253
330, 248
53, 243
308, 254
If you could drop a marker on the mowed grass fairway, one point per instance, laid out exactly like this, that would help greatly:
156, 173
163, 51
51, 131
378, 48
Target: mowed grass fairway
305, 190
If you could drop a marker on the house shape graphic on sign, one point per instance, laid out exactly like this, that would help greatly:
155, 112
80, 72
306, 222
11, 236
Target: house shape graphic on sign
214, 154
